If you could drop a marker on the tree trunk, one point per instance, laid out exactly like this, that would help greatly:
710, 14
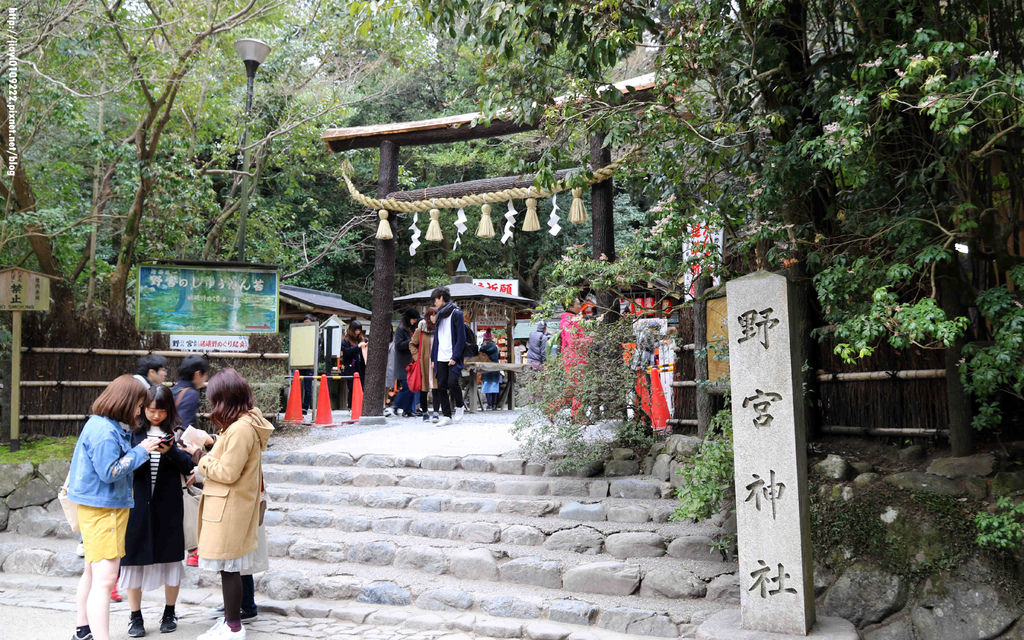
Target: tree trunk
601, 194
126, 254
705, 406
383, 292
25, 199
961, 433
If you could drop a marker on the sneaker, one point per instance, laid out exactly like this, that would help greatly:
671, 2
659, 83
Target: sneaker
221, 631
75, 636
135, 627
168, 624
80, 550
426, 417
114, 595
444, 422
193, 559
388, 412
434, 418
458, 414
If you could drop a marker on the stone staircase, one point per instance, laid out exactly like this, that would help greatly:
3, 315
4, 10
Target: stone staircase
477, 536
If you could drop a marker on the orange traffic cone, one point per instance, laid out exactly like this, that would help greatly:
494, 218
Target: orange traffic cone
293, 412
357, 398
659, 406
323, 405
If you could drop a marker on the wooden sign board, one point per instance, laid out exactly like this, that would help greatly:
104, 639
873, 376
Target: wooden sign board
718, 339
302, 349
24, 290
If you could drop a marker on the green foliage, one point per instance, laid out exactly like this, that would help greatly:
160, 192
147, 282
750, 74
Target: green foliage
636, 435
563, 404
998, 365
861, 141
1002, 530
707, 480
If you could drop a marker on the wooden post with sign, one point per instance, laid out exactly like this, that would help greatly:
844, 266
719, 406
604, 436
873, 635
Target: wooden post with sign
20, 290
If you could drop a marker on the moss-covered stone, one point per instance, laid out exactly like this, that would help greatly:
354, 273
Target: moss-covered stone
1008, 483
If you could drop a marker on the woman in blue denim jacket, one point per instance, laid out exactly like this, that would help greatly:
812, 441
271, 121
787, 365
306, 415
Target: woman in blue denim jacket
100, 482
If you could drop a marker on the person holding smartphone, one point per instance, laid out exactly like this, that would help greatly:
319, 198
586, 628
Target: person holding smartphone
155, 541
100, 483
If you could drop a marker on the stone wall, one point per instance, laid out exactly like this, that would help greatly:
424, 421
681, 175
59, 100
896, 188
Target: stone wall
28, 499
895, 552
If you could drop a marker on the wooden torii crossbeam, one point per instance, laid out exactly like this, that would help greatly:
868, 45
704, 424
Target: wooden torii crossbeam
470, 126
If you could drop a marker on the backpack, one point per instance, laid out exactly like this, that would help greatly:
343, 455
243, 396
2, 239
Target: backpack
471, 350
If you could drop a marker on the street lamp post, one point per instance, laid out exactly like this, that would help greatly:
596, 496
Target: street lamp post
252, 52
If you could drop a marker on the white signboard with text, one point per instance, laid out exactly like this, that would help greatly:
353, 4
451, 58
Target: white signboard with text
187, 342
510, 287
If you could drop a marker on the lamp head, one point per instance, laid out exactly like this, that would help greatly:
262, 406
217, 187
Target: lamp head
252, 52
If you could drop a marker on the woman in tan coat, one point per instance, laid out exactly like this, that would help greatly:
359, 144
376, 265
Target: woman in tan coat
420, 345
230, 509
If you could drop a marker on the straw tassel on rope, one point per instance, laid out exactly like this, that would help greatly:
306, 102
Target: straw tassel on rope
532, 222
577, 212
434, 230
486, 228
384, 228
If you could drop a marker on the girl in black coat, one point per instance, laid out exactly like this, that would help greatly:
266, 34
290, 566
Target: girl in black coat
155, 541
353, 361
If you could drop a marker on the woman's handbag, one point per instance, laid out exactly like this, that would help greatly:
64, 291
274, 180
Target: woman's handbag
413, 377
190, 520
70, 508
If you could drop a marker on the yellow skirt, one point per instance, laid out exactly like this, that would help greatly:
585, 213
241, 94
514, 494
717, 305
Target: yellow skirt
103, 531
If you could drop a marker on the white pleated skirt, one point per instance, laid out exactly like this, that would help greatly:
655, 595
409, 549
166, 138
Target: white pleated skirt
151, 576
248, 564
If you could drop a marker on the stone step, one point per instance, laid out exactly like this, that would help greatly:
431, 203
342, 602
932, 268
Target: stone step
633, 568
639, 487
683, 541
288, 496
503, 465
519, 495
439, 609
480, 463
515, 589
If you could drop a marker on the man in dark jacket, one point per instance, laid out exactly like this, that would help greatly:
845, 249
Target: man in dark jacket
446, 354
192, 376
536, 346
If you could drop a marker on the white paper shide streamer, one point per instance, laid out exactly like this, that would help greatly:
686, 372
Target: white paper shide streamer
415, 243
510, 224
460, 226
553, 227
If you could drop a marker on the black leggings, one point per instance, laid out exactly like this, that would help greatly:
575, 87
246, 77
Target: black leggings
231, 587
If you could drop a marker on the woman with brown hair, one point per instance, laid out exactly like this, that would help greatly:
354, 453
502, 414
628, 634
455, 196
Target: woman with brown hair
100, 483
420, 346
230, 511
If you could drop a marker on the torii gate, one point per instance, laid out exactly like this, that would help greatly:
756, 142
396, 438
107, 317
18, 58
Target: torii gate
389, 138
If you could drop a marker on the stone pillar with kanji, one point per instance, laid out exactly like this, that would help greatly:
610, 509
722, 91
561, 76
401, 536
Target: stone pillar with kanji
776, 573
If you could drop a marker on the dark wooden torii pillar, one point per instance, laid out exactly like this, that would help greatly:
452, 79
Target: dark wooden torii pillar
389, 138
383, 290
